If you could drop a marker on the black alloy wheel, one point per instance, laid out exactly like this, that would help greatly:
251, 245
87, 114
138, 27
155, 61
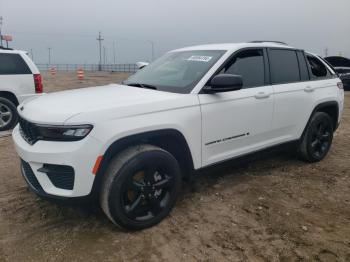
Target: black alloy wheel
140, 187
318, 138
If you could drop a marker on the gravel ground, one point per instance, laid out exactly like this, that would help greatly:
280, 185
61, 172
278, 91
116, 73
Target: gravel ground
276, 208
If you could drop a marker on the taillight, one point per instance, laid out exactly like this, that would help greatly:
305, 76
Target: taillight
340, 85
38, 82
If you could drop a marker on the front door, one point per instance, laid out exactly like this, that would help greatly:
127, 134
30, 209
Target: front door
238, 122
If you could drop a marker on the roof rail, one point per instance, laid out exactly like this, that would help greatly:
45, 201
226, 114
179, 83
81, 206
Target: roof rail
268, 41
5, 48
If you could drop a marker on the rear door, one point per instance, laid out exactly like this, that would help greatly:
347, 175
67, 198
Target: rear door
16, 77
238, 122
292, 91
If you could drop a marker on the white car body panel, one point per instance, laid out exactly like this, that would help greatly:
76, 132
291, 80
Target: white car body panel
22, 86
240, 120
216, 127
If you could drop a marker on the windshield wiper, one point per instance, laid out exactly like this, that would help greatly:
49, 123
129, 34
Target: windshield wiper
142, 85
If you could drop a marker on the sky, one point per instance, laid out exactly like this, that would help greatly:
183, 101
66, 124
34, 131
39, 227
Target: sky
70, 27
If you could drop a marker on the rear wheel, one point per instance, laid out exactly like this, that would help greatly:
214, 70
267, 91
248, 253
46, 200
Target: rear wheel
8, 114
140, 187
317, 139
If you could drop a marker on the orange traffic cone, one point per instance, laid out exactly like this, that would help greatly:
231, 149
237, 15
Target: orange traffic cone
80, 74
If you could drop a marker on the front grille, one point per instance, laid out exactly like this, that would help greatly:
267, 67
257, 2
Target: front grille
29, 176
59, 175
28, 131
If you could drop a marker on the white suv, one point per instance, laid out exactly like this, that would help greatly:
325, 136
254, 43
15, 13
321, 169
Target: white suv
132, 144
20, 79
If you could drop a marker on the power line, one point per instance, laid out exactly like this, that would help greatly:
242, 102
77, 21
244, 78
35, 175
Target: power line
104, 55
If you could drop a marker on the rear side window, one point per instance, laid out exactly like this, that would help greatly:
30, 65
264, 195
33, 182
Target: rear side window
250, 65
13, 64
318, 69
284, 66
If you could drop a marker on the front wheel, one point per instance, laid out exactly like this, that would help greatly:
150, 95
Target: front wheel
317, 139
140, 187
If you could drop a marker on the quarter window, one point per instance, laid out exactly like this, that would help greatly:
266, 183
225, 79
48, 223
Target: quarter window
284, 66
318, 69
250, 65
13, 64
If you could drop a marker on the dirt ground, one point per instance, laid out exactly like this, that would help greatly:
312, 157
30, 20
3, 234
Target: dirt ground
273, 209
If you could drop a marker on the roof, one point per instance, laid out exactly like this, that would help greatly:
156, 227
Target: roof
234, 46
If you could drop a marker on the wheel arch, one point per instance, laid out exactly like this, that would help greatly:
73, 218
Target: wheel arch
331, 108
10, 96
170, 140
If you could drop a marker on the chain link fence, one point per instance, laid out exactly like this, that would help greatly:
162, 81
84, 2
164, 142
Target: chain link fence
129, 68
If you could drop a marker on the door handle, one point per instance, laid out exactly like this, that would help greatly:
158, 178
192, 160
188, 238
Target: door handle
262, 95
309, 89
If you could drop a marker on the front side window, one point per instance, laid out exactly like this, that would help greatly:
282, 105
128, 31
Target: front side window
250, 65
176, 72
284, 66
13, 64
318, 69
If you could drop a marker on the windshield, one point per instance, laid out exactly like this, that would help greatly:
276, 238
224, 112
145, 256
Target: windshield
176, 72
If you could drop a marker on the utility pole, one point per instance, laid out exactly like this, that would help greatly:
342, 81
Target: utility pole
1, 19
114, 53
104, 55
32, 54
326, 52
49, 55
100, 39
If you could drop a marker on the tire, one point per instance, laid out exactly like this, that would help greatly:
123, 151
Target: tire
317, 139
140, 187
8, 114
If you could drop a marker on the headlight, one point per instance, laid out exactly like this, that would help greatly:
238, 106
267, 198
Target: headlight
63, 133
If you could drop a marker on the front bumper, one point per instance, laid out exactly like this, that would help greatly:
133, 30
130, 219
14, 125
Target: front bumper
79, 155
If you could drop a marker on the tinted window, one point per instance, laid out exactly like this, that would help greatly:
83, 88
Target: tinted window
304, 73
13, 64
342, 70
338, 61
250, 65
177, 72
318, 69
284, 66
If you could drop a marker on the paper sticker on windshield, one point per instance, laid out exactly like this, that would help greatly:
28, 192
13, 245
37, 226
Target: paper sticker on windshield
200, 58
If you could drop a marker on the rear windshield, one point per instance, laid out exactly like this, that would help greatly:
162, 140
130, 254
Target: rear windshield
13, 64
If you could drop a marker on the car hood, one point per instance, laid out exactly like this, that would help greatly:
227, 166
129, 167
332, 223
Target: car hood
101, 102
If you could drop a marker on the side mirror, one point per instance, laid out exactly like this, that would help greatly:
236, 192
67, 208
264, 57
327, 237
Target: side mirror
224, 83
141, 65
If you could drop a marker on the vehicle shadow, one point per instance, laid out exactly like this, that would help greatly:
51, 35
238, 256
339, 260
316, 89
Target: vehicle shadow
233, 171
